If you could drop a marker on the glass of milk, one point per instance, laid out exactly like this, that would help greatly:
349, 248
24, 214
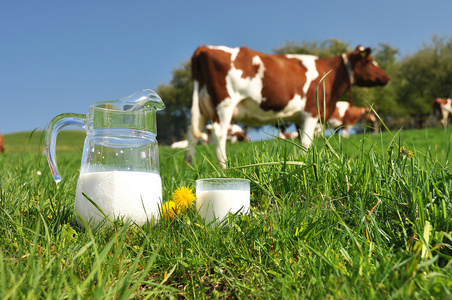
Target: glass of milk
119, 173
216, 197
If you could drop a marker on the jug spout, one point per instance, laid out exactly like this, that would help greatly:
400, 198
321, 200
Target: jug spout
143, 100
137, 111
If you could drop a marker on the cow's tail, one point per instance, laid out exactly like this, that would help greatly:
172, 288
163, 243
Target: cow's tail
198, 121
196, 125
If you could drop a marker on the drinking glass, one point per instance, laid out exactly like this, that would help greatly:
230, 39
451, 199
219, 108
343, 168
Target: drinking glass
216, 197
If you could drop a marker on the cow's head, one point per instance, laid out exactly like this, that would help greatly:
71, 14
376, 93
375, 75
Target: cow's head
366, 71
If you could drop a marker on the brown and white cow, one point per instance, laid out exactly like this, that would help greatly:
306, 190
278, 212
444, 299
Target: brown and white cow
441, 108
240, 84
346, 115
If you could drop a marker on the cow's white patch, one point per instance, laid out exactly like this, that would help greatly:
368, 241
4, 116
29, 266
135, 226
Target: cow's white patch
240, 88
342, 107
447, 106
308, 61
307, 130
334, 123
302, 57
233, 51
446, 109
257, 61
225, 49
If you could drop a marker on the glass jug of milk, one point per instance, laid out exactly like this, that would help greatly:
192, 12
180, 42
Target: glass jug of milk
119, 173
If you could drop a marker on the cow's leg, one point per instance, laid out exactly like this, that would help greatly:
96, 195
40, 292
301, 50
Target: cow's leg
318, 129
376, 130
220, 129
307, 130
445, 117
345, 131
219, 140
433, 118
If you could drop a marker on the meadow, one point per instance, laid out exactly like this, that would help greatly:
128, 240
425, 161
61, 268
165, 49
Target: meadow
367, 217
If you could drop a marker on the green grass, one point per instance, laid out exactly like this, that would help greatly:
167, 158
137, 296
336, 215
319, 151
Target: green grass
348, 219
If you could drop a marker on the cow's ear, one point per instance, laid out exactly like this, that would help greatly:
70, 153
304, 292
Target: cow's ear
359, 48
364, 52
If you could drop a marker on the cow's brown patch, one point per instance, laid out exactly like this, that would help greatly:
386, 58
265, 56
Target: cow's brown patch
353, 114
244, 62
209, 67
324, 91
283, 79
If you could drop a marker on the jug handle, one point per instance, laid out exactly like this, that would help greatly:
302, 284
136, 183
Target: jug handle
54, 127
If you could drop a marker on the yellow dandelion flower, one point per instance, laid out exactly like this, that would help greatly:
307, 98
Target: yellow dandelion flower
184, 197
169, 210
406, 153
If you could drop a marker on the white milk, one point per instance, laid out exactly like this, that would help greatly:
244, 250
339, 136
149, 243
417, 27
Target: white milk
217, 203
136, 196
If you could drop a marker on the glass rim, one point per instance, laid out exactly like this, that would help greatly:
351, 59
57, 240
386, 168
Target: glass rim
223, 179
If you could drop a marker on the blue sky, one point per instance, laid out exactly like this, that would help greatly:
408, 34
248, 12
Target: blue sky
61, 56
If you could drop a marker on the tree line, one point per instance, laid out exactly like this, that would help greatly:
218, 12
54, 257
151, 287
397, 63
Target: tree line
416, 79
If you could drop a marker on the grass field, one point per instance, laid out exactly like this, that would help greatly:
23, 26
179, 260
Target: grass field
368, 217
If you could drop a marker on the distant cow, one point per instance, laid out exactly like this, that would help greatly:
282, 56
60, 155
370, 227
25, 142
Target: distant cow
346, 115
440, 110
2, 144
291, 135
235, 134
239, 84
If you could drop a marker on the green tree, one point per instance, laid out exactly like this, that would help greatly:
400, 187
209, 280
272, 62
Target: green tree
173, 120
425, 75
323, 49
